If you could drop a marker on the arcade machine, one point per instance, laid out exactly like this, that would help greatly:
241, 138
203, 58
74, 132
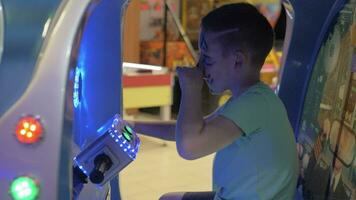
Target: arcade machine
318, 87
61, 99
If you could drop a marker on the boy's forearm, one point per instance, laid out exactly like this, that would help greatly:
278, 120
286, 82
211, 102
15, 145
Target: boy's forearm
190, 118
162, 130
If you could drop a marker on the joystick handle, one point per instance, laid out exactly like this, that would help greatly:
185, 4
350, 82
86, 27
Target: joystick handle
102, 164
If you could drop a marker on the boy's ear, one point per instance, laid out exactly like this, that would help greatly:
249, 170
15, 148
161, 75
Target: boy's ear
240, 58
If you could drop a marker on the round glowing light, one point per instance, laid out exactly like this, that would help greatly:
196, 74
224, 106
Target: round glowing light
29, 134
23, 132
26, 125
29, 130
33, 127
24, 188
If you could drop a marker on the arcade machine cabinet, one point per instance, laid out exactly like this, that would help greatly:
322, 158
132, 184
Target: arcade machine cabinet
60, 82
318, 87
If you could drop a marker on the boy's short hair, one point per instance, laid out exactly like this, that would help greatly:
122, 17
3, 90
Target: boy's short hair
241, 27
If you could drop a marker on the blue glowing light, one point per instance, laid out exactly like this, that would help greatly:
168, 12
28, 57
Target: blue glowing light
77, 87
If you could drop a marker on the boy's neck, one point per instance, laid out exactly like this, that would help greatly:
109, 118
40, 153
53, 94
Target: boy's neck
236, 92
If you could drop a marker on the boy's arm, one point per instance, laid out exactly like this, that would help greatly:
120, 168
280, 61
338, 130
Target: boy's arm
197, 137
159, 129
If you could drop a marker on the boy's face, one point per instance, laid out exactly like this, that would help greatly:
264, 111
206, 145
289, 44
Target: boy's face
217, 67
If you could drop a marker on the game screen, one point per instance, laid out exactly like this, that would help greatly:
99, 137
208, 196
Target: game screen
327, 133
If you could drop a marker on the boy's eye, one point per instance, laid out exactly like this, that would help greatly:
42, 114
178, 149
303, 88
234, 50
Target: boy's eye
205, 59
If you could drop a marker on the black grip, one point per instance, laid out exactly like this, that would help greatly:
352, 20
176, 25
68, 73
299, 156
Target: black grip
102, 163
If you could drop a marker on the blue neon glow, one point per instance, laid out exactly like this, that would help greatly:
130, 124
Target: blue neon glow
77, 87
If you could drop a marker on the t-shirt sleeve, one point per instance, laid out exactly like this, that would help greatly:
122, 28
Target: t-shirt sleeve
248, 112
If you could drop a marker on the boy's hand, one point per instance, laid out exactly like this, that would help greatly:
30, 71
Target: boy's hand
190, 78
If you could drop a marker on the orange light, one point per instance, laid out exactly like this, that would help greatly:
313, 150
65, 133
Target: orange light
29, 130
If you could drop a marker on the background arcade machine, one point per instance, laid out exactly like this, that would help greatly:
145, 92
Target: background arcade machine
60, 82
318, 88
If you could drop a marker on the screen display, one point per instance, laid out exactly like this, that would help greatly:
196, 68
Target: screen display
327, 138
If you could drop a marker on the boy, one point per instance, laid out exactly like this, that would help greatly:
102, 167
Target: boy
254, 143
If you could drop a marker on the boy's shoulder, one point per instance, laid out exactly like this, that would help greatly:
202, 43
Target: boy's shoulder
259, 98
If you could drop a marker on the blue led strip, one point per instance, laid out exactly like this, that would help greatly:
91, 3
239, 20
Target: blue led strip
83, 170
80, 166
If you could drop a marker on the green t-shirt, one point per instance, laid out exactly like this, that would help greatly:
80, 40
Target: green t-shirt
262, 163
